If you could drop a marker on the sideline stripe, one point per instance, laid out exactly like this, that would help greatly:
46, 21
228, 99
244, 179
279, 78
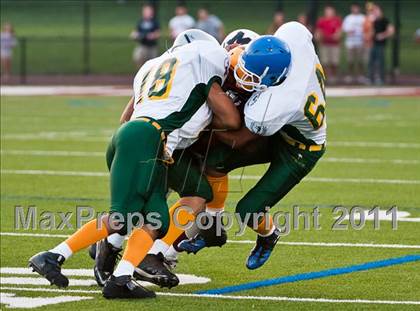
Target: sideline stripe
115, 90
312, 275
235, 177
322, 244
66, 153
264, 298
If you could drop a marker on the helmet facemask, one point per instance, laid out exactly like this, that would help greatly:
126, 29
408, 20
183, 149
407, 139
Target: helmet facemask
250, 81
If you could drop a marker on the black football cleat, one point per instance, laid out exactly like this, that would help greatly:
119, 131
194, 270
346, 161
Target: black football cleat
48, 265
262, 250
92, 251
124, 287
106, 256
154, 269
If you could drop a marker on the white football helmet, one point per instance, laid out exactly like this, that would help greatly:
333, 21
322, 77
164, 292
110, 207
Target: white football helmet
191, 35
240, 36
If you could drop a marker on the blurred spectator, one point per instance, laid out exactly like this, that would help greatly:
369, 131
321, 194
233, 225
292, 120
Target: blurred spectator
278, 20
147, 34
328, 34
7, 43
382, 30
368, 30
303, 19
353, 28
210, 24
417, 35
181, 21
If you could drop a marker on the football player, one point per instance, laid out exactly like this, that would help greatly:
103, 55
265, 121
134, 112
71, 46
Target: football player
186, 178
288, 110
168, 92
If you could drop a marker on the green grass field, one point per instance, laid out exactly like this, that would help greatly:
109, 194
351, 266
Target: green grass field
54, 30
372, 159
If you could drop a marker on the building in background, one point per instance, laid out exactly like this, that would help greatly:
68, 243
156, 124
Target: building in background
354, 44
181, 21
210, 23
147, 34
328, 35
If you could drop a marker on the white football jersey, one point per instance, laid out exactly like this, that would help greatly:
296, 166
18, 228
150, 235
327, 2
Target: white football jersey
173, 88
299, 102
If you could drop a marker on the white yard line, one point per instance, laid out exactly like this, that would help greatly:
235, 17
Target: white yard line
234, 177
28, 271
318, 244
184, 279
42, 281
67, 153
232, 297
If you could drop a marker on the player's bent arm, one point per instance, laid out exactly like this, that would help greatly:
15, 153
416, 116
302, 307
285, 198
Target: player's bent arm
128, 111
225, 114
237, 139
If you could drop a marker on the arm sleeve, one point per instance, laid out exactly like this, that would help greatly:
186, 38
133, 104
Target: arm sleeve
264, 128
263, 114
214, 64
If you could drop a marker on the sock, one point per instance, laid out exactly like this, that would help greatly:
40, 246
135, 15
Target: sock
183, 218
172, 253
62, 249
86, 236
159, 247
264, 228
220, 187
116, 240
138, 244
124, 267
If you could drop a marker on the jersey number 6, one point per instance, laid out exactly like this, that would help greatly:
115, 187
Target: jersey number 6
315, 111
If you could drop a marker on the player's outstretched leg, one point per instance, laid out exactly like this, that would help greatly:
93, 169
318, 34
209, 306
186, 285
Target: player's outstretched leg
121, 283
205, 238
154, 269
48, 264
212, 236
106, 255
262, 250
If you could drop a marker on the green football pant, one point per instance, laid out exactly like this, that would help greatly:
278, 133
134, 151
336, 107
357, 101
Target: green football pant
186, 176
288, 166
137, 175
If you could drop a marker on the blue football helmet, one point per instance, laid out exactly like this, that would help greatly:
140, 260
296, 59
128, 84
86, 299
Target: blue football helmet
265, 62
